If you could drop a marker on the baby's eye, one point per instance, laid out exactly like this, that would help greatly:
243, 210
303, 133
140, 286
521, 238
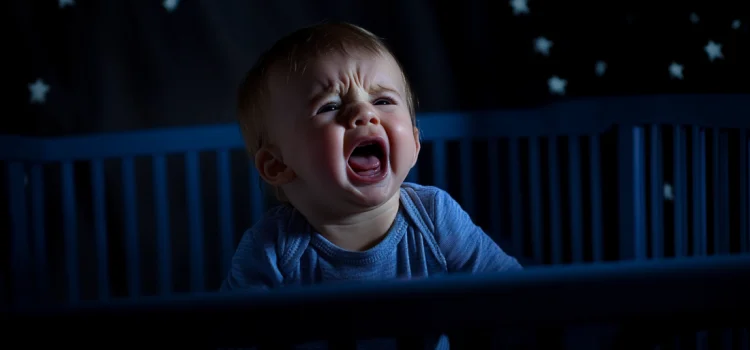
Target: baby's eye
382, 101
328, 108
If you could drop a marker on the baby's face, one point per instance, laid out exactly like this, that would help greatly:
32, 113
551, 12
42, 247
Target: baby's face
344, 128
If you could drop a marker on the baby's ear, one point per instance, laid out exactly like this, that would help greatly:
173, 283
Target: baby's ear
418, 146
272, 168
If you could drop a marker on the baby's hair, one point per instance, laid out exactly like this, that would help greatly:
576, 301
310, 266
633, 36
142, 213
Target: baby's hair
292, 53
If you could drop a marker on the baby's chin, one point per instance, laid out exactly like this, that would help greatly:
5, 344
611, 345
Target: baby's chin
376, 194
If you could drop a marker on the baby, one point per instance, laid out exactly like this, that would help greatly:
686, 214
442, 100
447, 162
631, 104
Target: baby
328, 116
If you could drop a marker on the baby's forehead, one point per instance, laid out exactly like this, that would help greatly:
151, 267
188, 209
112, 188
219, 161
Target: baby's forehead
331, 71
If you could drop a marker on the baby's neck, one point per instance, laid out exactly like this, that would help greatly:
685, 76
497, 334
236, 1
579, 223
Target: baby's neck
360, 231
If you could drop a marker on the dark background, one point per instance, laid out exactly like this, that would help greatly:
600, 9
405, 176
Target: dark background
123, 65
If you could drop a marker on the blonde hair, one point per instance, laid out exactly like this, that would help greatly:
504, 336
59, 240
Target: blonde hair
292, 53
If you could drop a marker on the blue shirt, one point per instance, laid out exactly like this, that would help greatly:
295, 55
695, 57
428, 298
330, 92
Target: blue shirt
431, 235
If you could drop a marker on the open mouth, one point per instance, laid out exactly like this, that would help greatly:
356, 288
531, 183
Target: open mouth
367, 162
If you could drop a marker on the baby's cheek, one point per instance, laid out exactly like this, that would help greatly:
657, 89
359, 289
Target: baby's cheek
404, 142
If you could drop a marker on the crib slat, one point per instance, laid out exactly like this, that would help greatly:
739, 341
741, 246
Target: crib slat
631, 186
747, 198
467, 176
536, 199
744, 233
439, 169
195, 213
226, 221
723, 238
696, 189
100, 228
657, 193
626, 190
131, 227
639, 193
701, 340
70, 231
554, 202
680, 229
702, 196
715, 190
596, 199
20, 252
495, 210
516, 219
37, 223
576, 207
685, 204
726, 339
163, 234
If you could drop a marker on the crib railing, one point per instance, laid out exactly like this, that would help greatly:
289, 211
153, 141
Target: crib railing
644, 302
626, 178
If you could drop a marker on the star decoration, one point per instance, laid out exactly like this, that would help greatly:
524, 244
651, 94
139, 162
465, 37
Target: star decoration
736, 24
171, 5
542, 45
675, 71
557, 85
38, 91
694, 18
519, 7
668, 193
63, 3
601, 68
713, 50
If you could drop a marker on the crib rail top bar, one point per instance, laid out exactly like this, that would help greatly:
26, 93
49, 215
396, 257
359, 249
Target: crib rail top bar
691, 292
109, 145
584, 116
593, 115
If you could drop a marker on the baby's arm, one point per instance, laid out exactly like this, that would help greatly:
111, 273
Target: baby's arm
253, 264
465, 245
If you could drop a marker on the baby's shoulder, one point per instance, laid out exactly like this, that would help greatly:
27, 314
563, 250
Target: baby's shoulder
280, 228
430, 198
426, 204
421, 193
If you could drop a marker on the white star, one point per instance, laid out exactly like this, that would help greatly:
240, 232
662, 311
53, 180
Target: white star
668, 193
171, 5
63, 3
38, 91
675, 71
713, 50
519, 7
557, 85
694, 18
601, 67
542, 45
736, 24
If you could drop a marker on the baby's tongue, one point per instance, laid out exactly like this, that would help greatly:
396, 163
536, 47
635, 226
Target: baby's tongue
363, 162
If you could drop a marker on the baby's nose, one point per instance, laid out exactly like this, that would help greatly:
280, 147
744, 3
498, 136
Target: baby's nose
362, 116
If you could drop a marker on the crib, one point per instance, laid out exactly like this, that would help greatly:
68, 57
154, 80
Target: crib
576, 184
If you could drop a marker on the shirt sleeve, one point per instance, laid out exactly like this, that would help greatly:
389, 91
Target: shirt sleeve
254, 264
465, 245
